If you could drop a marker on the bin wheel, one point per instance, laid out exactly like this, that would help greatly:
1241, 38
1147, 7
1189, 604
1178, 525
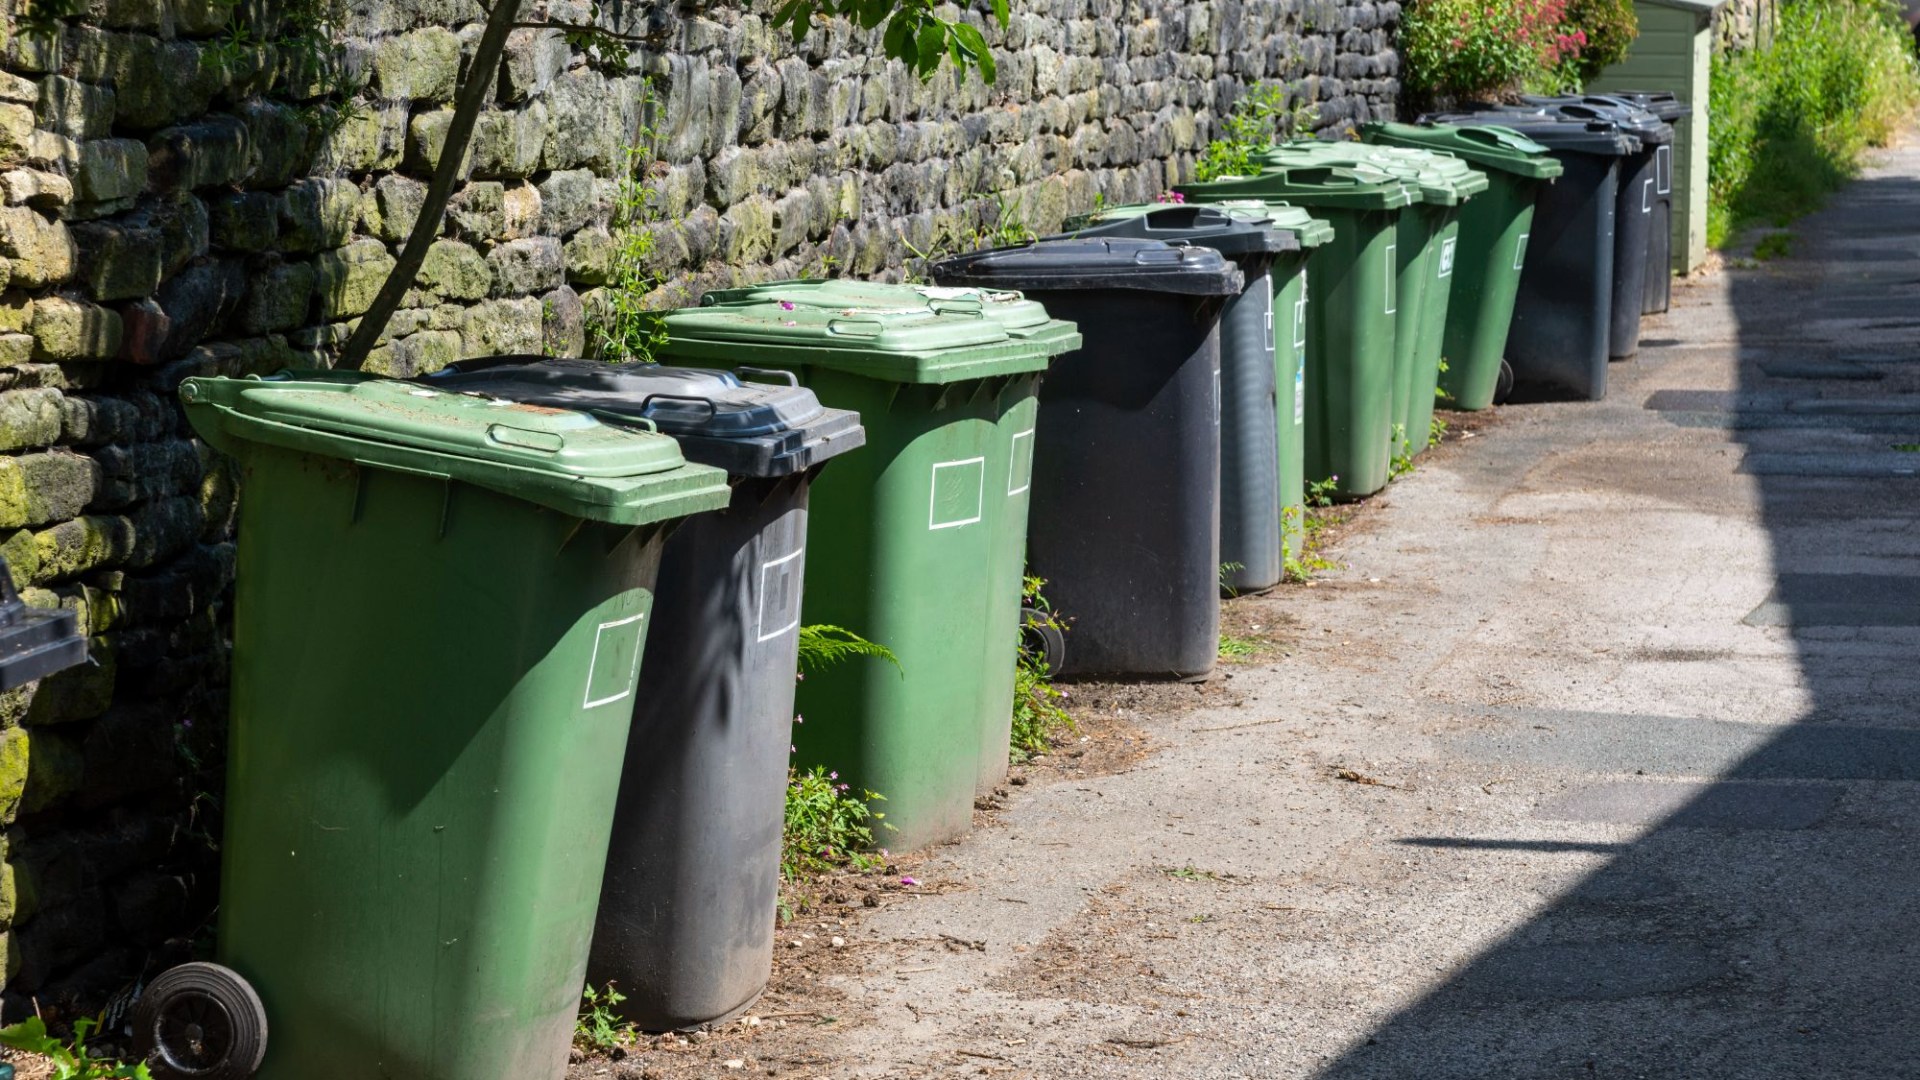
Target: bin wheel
200, 1020
1041, 639
1503, 387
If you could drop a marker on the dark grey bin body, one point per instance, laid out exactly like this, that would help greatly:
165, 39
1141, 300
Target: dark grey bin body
686, 921
1125, 524
1252, 542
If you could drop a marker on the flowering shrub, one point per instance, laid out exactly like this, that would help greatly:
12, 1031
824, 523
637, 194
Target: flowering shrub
1476, 49
1608, 28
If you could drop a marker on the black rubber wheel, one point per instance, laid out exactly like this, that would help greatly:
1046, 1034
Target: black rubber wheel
1041, 639
1503, 387
200, 1020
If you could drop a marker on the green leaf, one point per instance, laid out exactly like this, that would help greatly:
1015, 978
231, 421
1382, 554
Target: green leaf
933, 43
1002, 12
898, 41
975, 44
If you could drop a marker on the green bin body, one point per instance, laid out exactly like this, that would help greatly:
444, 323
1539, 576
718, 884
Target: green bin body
914, 543
1428, 236
1493, 231
1352, 296
1017, 413
439, 612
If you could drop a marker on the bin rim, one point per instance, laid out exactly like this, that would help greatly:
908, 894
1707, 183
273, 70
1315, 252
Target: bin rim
640, 476
1489, 146
1312, 186
1237, 236
1066, 263
1437, 185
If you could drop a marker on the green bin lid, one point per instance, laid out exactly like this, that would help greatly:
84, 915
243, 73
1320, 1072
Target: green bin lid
1442, 180
884, 340
564, 460
1308, 231
1022, 318
1491, 147
1333, 187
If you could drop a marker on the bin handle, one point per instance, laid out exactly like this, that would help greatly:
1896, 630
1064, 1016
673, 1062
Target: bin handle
488, 363
787, 377
1168, 254
855, 327
546, 442
621, 420
958, 307
713, 410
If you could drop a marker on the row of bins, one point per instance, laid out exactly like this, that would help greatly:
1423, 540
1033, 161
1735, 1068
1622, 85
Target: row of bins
513, 698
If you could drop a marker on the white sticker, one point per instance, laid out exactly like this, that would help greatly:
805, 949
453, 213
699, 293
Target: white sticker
615, 665
1520, 252
1300, 315
1393, 280
1663, 168
1020, 462
780, 595
959, 488
1300, 390
1646, 195
1270, 338
1446, 256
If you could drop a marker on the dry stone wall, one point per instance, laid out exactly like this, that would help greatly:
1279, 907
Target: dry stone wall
212, 186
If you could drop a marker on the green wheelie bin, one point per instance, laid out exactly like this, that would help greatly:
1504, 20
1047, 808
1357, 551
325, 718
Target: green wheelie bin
440, 606
908, 542
1492, 250
1353, 298
1016, 409
1429, 232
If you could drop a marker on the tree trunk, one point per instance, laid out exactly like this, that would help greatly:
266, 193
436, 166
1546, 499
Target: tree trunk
481, 78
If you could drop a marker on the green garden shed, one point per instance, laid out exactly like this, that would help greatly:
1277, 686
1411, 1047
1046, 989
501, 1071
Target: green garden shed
1674, 52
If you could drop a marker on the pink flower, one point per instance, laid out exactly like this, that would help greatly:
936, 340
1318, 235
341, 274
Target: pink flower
833, 776
908, 881
786, 305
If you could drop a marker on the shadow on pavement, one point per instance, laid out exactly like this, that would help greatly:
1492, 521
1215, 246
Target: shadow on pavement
1766, 923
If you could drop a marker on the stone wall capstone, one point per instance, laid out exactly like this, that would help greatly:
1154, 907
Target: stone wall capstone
190, 187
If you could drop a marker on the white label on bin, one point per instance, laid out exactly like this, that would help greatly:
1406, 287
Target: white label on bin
615, 666
958, 490
1446, 257
1299, 389
1393, 279
1300, 315
1646, 195
780, 595
1020, 462
1520, 252
1663, 168
1270, 334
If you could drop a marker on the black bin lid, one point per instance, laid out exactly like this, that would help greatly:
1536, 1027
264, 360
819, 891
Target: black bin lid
34, 642
1640, 123
1602, 138
749, 428
1202, 226
1093, 262
1664, 104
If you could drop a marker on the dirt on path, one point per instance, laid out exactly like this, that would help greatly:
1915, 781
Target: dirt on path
1595, 758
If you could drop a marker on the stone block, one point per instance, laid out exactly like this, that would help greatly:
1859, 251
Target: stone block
563, 329
29, 418
589, 256
578, 134
454, 271
244, 220
534, 59
40, 250
197, 302
75, 109
119, 261
391, 208
280, 299
280, 144
212, 152
495, 327
426, 135
107, 170
317, 213
32, 187
67, 330
425, 352
509, 143
16, 133
347, 279
520, 211
532, 265
421, 65
478, 211
569, 201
